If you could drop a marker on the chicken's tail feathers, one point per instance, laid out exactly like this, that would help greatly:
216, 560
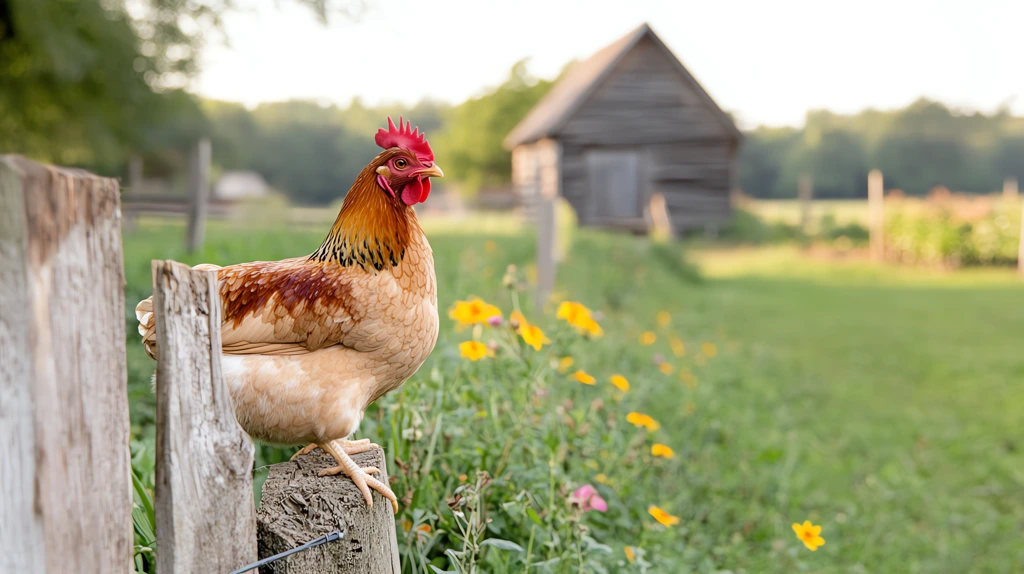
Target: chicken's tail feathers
147, 325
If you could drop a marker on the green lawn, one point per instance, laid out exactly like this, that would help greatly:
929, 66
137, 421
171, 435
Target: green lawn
881, 403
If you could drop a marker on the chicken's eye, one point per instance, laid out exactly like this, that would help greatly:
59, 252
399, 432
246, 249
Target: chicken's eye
401, 163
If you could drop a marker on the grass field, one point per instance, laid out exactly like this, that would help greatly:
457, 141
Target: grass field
881, 403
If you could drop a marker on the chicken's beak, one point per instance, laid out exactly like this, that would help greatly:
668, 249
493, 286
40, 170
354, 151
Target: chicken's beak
432, 171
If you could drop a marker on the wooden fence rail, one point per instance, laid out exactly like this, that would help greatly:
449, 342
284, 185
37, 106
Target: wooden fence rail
65, 475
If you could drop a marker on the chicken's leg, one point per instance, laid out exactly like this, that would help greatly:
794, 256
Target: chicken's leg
360, 476
349, 446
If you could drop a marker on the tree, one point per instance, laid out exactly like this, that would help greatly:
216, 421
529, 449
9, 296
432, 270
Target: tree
84, 81
474, 130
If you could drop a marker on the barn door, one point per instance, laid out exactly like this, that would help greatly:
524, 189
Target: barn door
614, 178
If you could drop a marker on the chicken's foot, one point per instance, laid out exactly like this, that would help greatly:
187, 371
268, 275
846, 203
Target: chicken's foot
349, 446
360, 476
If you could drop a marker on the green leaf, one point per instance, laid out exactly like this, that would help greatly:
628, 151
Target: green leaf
502, 544
534, 516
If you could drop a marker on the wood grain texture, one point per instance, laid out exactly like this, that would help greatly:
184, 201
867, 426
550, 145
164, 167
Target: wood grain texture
65, 478
298, 506
205, 519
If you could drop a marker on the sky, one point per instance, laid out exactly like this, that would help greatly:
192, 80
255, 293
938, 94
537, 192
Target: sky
767, 62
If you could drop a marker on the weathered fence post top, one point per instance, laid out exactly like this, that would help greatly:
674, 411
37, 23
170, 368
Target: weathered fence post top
205, 519
65, 473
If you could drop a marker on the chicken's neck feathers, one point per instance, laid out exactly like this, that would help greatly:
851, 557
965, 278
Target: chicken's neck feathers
372, 231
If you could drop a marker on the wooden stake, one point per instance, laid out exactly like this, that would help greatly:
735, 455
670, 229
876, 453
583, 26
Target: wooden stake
205, 520
805, 192
199, 193
65, 473
547, 224
876, 214
1010, 192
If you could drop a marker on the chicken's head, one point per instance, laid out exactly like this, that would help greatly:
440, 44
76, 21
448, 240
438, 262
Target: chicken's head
405, 174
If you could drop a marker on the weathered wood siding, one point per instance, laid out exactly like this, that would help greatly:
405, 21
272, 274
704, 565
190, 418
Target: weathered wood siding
685, 151
645, 100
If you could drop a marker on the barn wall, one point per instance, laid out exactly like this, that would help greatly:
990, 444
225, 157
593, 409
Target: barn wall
695, 179
644, 100
646, 105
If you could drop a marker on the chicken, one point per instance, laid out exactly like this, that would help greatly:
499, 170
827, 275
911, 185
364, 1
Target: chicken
309, 343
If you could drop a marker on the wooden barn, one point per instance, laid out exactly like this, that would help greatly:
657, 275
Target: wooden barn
624, 125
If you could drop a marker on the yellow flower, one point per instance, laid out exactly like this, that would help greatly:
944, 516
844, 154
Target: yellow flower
564, 363
533, 336
642, 420
630, 555
709, 349
590, 327
407, 525
809, 534
577, 315
425, 528
620, 383
666, 368
474, 350
463, 478
490, 246
473, 311
601, 478
688, 379
518, 317
664, 318
658, 449
584, 378
648, 338
663, 517
678, 348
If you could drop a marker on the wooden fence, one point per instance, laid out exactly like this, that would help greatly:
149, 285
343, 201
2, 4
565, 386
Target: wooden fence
65, 477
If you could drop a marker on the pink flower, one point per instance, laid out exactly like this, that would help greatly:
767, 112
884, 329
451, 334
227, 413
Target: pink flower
587, 498
494, 321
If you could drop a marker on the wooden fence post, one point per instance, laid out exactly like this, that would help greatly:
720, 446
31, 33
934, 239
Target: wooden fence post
805, 192
205, 520
1020, 247
298, 506
547, 220
199, 193
1010, 191
876, 214
65, 473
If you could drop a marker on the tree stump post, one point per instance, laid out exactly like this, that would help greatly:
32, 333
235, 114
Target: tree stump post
298, 506
205, 516
65, 473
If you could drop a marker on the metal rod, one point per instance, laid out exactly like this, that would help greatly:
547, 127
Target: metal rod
331, 537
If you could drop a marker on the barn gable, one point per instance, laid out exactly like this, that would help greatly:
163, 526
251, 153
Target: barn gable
625, 126
635, 79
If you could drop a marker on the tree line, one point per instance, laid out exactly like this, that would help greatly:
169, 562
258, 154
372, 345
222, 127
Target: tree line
89, 83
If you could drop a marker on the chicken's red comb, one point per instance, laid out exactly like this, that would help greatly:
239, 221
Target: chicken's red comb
406, 138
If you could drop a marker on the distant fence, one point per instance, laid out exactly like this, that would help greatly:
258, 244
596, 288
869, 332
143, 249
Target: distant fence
65, 477
195, 206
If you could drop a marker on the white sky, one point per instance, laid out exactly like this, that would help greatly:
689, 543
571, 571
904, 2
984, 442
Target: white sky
767, 61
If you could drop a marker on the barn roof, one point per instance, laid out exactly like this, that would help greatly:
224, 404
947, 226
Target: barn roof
566, 96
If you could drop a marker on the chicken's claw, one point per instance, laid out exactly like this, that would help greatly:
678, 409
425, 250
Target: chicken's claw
360, 476
305, 450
